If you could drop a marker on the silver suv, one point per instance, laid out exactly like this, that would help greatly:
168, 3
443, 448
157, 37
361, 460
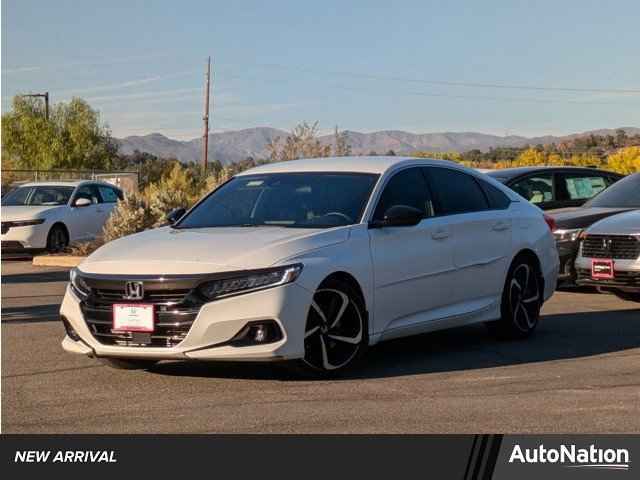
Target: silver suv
609, 255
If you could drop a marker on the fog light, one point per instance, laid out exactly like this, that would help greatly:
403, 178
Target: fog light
73, 335
260, 334
257, 333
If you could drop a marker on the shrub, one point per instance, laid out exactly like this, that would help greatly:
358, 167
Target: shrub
180, 187
131, 215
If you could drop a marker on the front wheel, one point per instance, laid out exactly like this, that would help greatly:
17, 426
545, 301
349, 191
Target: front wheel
336, 333
58, 239
521, 301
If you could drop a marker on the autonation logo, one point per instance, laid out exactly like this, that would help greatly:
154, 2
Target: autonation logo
574, 457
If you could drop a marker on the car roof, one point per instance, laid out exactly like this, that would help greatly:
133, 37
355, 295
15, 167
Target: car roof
517, 171
64, 183
363, 164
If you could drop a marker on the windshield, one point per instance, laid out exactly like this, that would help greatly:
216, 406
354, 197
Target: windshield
38, 196
622, 194
307, 200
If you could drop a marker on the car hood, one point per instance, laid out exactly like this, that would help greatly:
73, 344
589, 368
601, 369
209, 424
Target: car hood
12, 213
623, 224
207, 250
581, 217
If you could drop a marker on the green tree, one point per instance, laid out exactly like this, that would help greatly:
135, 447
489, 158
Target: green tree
72, 138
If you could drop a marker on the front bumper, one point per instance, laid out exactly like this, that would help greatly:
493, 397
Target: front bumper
19, 239
626, 275
216, 323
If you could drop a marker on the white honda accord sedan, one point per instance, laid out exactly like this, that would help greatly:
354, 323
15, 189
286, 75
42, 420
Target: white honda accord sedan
312, 261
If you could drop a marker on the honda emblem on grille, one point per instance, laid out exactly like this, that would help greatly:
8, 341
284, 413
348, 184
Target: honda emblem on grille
133, 291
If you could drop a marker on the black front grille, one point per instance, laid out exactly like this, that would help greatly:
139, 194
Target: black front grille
11, 245
621, 247
174, 312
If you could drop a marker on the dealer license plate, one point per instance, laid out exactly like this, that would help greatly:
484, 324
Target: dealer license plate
133, 317
602, 269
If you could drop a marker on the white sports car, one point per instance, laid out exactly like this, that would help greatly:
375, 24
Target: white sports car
50, 215
313, 261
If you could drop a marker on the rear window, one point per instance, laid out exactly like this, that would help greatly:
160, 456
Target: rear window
457, 192
497, 199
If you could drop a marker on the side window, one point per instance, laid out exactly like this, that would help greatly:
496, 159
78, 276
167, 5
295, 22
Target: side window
497, 199
108, 194
536, 188
611, 180
407, 187
457, 192
581, 187
90, 192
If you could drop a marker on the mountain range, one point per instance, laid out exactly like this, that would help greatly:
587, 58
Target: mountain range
234, 146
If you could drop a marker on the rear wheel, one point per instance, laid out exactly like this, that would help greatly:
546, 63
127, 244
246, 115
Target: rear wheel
336, 333
121, 364
521, 301
58, 239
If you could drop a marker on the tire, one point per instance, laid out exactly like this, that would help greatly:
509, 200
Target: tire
336, 330
521, 301
57, 239
629, 296
121, 364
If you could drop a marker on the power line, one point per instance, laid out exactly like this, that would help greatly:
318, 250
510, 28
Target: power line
632, 91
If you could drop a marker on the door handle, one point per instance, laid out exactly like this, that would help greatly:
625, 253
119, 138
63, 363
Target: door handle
440, 234
501, 226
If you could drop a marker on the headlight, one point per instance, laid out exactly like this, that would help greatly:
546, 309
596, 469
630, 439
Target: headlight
568, 235
256, 280
27, 223
78, 284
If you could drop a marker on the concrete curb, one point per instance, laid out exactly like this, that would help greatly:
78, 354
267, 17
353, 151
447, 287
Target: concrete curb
57, 261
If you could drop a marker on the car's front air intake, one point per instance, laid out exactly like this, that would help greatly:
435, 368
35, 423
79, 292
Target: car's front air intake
175, 310
621, 247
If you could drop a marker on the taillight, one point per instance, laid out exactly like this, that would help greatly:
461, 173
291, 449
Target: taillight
551, 222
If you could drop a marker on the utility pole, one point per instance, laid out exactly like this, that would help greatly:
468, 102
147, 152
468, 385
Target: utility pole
44, 95
205, 138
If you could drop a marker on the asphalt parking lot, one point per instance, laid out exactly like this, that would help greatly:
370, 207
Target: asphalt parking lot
580, 373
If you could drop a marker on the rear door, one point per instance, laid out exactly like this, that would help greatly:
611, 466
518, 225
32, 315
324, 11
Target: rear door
481, 227
413, 266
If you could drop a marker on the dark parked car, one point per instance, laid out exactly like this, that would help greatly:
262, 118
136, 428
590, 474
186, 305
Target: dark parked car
556, 187
571, 222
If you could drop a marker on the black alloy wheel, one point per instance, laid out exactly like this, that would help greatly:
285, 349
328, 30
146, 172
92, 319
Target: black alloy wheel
58, 239
336, 330
521, 301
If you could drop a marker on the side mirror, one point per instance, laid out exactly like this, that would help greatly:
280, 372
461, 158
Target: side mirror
176, 214
399, 216
81, 202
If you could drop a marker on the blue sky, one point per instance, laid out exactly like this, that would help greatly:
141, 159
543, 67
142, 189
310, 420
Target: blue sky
501, 67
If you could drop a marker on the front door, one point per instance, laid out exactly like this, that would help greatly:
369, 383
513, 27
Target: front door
85, 222
412, 265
